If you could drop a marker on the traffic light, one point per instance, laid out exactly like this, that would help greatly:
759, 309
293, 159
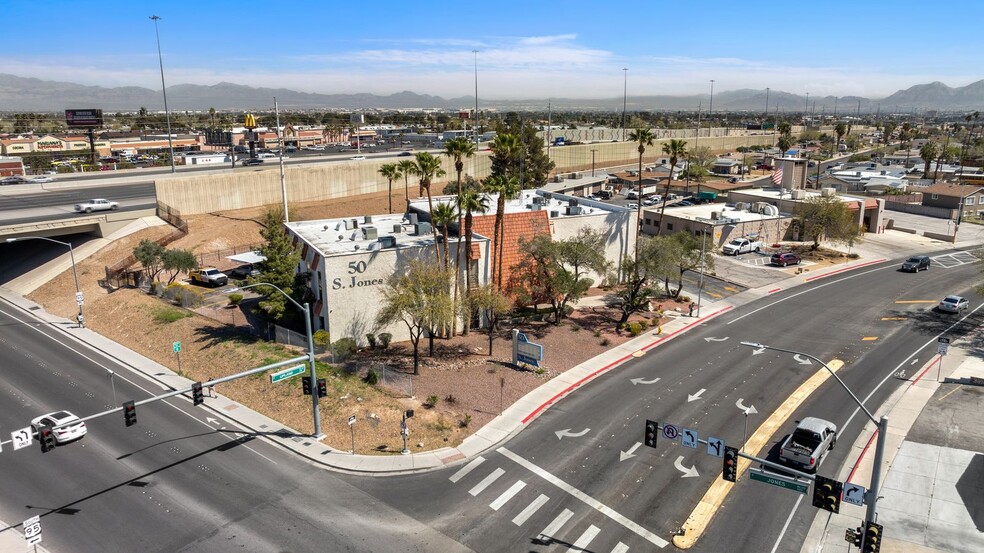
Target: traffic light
730, 469
196, 393
322, 387
46, 435
652, 429
306, 385
853, 536
872, 537
827, 494
129, 413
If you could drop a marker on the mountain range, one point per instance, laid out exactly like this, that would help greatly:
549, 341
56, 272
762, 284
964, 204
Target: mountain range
30, 94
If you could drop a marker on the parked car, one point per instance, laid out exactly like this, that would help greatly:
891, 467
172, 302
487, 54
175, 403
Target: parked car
97, 204
953, 304
632, 206
741, 245
404, 154
785, 258
209, 275
244, 271
42, 179
69, 427
252, 161
916, 263
14, 180
808, 443
357, 158
732, 180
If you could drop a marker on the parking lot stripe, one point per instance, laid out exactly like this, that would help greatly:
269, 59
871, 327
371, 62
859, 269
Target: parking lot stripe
466, 469
582, 542
526, 513
557, 523
486, 482
620, 548
507, 495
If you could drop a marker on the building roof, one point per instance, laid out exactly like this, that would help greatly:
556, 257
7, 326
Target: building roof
705, 213
333, 237
726, 162
535, 200
953, 190
723, 186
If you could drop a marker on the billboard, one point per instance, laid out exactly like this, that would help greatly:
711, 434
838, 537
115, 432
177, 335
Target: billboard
84, 118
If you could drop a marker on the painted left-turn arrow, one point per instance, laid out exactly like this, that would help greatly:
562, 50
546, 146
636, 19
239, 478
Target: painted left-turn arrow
687, 473
694, 397
712, 339
623, 455
644, 381
802, 360
567, 433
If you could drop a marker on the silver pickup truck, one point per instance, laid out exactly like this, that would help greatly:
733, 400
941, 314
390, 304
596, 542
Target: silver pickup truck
806, 446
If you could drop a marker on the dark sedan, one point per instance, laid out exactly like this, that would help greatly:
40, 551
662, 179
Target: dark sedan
916, 263
252, 161
785, 258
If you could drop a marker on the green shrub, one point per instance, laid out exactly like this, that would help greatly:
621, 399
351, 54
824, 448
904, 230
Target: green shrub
432, 400
635, 329
384, 339
189, 297
371, 338
685, 299
170, 291
465, 421
371, 378
853, 255
606, 342
451, 399
343, 349
321, 338
575, 328
164, 315
597, 334
643, 324
235, 299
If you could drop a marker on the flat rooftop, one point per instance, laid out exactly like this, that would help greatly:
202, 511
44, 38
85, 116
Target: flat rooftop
352, 234
535, 200
727, 213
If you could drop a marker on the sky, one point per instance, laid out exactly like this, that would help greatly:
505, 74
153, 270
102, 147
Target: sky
528, 49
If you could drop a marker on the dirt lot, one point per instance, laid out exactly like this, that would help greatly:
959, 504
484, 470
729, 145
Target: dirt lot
469, 385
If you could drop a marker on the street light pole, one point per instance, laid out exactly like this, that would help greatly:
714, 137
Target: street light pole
167, 114
700, 282
476, 95
593, 161
881, 423
79, 299
306, 309
283, 177
710, 108
625, 91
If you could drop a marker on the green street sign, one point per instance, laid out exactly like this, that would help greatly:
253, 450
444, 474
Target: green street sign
176, 346
287, 373
779, 481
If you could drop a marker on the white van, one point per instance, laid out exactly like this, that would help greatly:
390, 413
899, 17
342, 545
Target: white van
266, 156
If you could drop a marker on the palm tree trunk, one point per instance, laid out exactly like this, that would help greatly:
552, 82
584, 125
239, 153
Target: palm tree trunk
495, 247
406, 190
466, 292
638, 224
430, 207
390, 196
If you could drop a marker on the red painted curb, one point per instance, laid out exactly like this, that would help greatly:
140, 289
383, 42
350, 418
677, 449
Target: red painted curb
841, 270
939, 359
618, 361
863, 451
773, 291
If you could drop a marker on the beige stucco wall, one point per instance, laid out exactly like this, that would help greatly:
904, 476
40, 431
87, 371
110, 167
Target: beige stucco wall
244, 188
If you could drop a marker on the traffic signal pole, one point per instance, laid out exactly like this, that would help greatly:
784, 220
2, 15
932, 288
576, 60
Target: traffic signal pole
880, 424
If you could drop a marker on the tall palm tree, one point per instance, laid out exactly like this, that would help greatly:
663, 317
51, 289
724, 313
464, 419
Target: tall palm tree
904, 135
445, 215
676, 149
928, 151
644, 137
840, 129
507, 187
407, 168
458, 149
390, 172
507, 148
427, 168
471, 202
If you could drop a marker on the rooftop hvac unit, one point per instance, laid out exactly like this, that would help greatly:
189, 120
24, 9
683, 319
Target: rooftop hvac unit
572, 201
534, 207
348, 224
397, 228
558, 178
537, 200
366, 219
633, 173
573, 210
554, 214
355, 223
715, 215
771, 210
798, 194
421, 229
740, 206
828, 192
369, 233
413, 218
547, 195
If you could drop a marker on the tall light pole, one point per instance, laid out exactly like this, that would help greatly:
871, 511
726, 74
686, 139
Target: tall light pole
306, 309
767, 102
625, 91
807, 112
167, 113
283, 177
592, 161
710, 107
882, 424
79, 299
475, 52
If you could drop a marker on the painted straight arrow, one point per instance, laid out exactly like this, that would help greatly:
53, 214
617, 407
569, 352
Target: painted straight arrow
567, 432
687, 473
693, 397
802, 360
644, 381
211, 420
623, 455
711, 339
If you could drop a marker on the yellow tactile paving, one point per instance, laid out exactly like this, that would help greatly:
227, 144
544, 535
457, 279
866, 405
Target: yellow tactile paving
708, 505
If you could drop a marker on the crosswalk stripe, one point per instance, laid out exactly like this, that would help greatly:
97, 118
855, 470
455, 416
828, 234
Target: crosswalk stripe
557, 523
486, 482
507, 495
582, 543
466, 469
620, 548
522, 517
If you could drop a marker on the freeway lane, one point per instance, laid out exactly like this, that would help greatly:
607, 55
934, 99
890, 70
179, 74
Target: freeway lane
577, 488
57, 204
177, 481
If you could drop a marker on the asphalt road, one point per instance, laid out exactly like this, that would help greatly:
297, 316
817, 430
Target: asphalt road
600, 491
58, 204
182, 479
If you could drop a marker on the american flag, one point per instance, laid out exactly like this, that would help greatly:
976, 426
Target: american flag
777, 176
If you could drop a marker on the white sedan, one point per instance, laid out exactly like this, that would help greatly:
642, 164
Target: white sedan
42, 179
68, 427
953, 304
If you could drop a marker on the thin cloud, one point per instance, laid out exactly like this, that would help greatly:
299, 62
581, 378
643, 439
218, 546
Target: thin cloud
534, 40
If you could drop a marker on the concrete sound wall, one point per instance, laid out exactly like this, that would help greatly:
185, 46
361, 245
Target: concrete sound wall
245, 188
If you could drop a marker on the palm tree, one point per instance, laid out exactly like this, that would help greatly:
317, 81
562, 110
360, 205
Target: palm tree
211, 116
444, 215
427, 168
644, 137
904, 135
457, 149
407, 168
471, 202
676, 149
928, 151
506, 151
840, 129
390, 172
506, 186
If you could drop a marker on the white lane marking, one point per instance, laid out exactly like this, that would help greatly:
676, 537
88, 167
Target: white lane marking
585, 498
620, 548
557, 524
526, 513
799, 499
507, 495
582, 543
486, 482
791, 296
466, 469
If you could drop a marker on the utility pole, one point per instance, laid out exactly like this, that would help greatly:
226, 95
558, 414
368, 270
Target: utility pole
283, 178
625, 91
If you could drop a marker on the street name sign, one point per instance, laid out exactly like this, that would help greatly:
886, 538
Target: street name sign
176, 346
778, 480
286, 373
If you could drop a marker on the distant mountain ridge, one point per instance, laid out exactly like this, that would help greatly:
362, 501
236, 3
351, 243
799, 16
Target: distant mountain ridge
30, 94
